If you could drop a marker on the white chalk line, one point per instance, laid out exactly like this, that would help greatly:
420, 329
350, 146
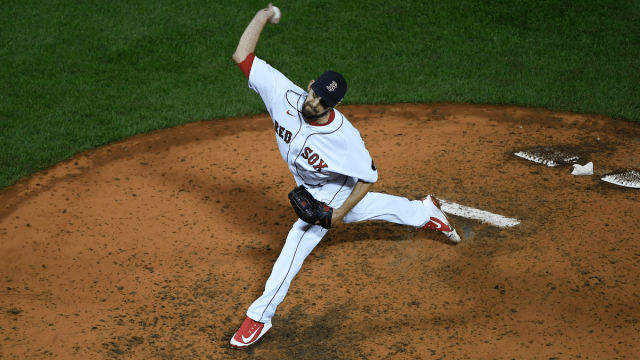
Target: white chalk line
477, 214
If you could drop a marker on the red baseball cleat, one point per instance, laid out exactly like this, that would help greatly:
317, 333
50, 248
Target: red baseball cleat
439, 220
249, 333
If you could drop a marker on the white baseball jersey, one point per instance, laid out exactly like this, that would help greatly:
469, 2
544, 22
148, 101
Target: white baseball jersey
328, 159
324, 157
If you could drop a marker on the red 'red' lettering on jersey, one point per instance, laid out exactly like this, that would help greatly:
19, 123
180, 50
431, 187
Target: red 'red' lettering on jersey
282, 132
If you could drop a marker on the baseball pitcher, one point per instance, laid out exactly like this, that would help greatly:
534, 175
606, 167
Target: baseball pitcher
331, 165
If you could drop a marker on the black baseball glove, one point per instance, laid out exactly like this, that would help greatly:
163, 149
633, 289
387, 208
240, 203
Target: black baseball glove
309, 209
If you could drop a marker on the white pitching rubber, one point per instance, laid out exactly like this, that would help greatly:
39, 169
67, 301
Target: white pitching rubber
477, 214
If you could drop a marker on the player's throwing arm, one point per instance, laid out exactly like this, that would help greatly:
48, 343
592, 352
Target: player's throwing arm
251, 34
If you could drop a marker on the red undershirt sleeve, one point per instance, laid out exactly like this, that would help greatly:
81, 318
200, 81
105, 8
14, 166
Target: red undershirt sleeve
246, 64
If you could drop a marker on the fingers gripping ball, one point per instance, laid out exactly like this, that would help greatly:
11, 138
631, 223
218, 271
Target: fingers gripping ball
276, 17
309, 209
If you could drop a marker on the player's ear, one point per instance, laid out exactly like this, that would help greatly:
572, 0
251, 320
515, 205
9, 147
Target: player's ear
339, 102
309, 87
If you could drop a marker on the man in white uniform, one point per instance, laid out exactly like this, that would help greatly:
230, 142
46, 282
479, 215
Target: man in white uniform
326, 155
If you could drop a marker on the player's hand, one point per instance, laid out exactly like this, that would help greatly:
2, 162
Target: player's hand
273, 14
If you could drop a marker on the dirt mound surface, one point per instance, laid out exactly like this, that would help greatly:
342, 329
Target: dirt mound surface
154, 247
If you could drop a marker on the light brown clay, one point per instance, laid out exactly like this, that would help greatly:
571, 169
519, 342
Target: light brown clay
154, 247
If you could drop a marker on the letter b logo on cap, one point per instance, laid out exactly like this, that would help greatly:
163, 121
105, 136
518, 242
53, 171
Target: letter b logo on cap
330, 86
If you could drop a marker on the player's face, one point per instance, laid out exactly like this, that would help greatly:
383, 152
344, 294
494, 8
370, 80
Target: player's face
314, 107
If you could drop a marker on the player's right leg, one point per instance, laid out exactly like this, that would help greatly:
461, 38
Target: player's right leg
421, 214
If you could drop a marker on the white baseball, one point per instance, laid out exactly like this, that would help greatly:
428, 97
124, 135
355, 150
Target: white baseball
276, 18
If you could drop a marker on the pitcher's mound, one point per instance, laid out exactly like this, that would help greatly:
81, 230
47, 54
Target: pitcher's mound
154, 247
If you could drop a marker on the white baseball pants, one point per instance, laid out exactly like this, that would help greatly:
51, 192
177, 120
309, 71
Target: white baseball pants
303, 238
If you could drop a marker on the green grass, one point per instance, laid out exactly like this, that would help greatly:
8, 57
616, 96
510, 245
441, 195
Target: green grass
75, 75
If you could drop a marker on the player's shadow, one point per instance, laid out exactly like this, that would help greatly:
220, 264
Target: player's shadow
263, 211
270, 213
380, 231
255, 209
258, 210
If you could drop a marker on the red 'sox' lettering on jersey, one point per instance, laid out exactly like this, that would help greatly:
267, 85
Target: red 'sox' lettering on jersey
313, 158
305, 154
320, 165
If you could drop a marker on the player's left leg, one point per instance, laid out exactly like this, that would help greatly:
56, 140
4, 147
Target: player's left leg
301, 240
399, 210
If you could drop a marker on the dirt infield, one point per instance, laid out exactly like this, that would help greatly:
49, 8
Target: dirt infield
154, 247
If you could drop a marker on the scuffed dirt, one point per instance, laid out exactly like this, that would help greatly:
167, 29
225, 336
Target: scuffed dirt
155, 246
